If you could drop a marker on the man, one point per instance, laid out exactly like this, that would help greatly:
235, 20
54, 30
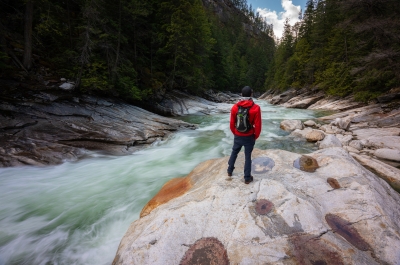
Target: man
247, 138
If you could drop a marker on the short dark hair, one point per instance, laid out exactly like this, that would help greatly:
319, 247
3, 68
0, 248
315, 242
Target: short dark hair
247, 91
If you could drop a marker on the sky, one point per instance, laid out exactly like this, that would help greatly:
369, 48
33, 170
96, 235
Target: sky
276, 12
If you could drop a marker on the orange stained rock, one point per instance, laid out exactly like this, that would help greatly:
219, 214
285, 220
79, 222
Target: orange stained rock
172, 189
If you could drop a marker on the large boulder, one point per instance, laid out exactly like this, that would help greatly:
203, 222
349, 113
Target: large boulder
291, 125
337, 213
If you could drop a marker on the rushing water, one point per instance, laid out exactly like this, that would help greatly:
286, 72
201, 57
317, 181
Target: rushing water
77, 212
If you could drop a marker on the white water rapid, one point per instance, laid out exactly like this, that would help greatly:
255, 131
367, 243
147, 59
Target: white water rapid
77, 212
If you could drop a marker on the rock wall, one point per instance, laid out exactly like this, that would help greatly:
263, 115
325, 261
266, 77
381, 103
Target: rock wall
334, 212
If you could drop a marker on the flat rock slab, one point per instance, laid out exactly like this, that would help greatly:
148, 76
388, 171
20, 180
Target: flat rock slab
41, 128
339, 214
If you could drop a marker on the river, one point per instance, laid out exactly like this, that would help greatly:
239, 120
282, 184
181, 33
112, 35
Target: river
77, 212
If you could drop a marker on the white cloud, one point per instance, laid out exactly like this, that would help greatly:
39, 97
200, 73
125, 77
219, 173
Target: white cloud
278, 20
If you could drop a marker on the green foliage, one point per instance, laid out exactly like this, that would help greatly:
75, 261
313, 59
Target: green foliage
365, 96
134, 49
95, 77
342, 47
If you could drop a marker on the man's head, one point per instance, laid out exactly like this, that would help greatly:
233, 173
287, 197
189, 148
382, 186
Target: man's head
247, 91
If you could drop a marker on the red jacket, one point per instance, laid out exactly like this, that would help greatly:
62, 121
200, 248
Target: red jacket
254, 117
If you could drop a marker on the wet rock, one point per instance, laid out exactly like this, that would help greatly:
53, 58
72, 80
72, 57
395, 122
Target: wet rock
291, 125
310, 249
347, 231
389, 154
206, 251
333, 183
263, 206
172, 189
329, 141
261, 165
315, 136
306, 163
287, 216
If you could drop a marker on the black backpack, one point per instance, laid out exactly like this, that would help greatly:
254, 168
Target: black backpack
242, 122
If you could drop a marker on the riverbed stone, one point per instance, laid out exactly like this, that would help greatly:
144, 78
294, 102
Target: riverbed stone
342, 123
344, 139
301, 133
339, 214
391, 142
327, 128
309, 123
351, 149
330, 140
291, 125
389, 154
357, 144
315, 136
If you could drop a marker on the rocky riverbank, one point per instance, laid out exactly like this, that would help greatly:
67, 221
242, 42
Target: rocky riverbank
370, 133
49, 125
322, 208
327, 207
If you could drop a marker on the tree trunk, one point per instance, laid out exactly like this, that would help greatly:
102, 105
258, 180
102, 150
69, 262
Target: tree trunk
27, 60
115, 67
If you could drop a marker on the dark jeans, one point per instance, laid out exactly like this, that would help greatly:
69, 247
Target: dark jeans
248, 143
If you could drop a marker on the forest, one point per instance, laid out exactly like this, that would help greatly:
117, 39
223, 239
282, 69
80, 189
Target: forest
136, 49
342, 47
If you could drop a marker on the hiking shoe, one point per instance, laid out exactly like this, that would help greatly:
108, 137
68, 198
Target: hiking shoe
230, 174
247, 181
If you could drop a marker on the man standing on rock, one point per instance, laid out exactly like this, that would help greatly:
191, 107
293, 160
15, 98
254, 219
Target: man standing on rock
245, 124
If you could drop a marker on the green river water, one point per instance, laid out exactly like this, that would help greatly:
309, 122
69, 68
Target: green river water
77, 212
